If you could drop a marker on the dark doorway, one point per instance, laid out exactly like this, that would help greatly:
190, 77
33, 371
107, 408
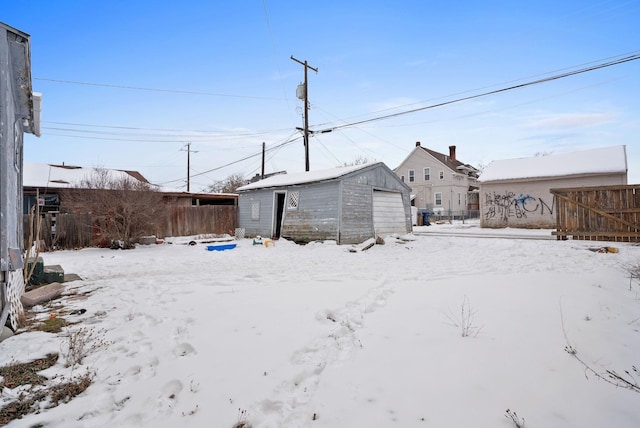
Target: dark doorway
278, 214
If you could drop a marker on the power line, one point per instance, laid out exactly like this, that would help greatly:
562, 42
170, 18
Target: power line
140, 88
287, 142
146, 136
535, 82
484, 94
152, 129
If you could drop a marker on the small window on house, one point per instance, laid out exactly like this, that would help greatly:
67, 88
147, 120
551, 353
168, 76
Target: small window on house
459, 198
402, 178
441, 175
438, 198
255, 211
412, 176
294, 197
427, 174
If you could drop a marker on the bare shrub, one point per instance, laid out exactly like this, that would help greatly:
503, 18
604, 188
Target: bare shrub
466, 320
513, 417
242, 419
81, 343
228, 185
626, 380
124, 208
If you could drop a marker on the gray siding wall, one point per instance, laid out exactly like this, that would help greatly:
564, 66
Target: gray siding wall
356, 218
316, 217
15, 108
263, 225
375, 178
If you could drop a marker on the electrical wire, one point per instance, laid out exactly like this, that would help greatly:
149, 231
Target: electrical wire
497, 91
140, 88
287, 142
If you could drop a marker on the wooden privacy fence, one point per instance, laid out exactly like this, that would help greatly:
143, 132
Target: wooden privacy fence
69, 231
196, 220
604, 213
61, 231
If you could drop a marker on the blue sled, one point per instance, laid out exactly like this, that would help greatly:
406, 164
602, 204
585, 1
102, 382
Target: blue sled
221, 247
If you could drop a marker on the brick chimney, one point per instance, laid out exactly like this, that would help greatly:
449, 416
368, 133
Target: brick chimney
452, 152
417, 143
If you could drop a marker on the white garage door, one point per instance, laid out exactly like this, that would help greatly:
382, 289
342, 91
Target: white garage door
388, 213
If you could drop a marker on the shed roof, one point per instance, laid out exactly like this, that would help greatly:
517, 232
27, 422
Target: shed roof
305, 177
607, 160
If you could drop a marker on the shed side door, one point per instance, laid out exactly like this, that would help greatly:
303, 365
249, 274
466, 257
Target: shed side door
388, 213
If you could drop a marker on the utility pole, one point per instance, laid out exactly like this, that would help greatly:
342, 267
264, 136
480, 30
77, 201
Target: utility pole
189, 151
263, 150
305, 96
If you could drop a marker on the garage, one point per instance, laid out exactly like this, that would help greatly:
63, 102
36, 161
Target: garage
388, 213
348, 204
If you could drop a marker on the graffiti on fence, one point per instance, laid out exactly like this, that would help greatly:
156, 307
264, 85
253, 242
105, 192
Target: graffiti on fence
508, 205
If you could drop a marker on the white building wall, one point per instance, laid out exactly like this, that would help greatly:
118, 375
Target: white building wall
449, 186
529, 203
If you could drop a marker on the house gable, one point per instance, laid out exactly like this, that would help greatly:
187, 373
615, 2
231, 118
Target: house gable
439, 182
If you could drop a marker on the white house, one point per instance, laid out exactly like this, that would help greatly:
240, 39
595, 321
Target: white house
440, 183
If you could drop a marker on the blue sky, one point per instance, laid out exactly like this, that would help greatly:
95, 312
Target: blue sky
127, 85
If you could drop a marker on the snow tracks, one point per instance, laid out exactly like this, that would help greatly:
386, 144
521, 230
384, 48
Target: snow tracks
288, 407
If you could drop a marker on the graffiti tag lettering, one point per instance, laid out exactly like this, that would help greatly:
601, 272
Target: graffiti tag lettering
507, 205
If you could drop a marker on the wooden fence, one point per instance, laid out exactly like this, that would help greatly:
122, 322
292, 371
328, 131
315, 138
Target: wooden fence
605, 213
69, 231
196, 220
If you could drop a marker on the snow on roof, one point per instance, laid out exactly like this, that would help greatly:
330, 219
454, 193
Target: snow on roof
44, 175
303, 177
605, 160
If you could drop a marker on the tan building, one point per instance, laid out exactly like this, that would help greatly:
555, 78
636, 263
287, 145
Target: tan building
516, 192
440, 183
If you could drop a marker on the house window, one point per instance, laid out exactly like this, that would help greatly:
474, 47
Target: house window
459, 198
438, 198
412, 176
427, 174
402, 178
294, 197
255, 211
441, 175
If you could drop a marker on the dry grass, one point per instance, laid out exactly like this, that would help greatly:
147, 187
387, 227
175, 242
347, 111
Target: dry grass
26, 373
19, 374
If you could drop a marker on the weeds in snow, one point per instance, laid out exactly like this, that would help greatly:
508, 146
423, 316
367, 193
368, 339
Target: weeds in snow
242, 419
627, 380
40, 393
466, 320
81, 343
513, 417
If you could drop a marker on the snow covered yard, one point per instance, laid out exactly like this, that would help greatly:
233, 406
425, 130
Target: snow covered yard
318, 336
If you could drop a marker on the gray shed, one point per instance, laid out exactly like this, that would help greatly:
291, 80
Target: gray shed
19, 113
349, 205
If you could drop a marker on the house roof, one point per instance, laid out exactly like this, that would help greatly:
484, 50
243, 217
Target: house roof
44, 175
607, 160
451, 163
305, 177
